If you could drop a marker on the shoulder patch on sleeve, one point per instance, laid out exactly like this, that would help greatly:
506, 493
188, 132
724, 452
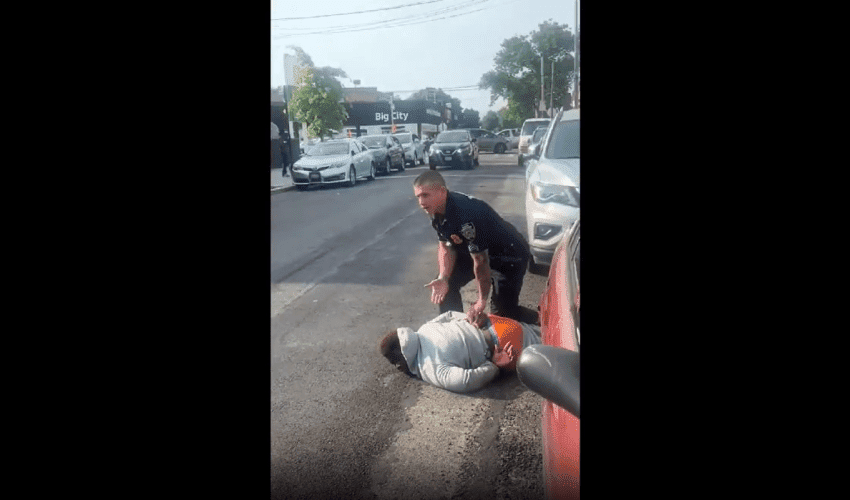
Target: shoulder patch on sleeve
468, 231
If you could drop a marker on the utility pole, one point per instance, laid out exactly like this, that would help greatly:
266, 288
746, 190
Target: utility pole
552, 90
542, 95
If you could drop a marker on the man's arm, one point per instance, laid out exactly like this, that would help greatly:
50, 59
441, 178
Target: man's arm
446, 257
481, 268
457, 379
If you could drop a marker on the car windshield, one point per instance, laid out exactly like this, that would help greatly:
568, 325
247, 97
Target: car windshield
528, 128
374, 142
452, 137
404, 138
564, 142
329, 148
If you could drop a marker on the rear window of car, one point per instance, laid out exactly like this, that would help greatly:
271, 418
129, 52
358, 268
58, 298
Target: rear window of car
338, 148
528, 128
565, 141
374, 141
453, 137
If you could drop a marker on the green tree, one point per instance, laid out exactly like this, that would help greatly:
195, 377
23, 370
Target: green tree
439, 95
442, 98
317, 98
510, 121
490, 121
516, 75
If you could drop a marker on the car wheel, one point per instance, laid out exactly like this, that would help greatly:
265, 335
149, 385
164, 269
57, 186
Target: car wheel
401, 165
537, 269
372, 171
500, 148
352, 177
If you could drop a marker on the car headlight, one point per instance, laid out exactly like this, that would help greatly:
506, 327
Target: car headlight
546, 193
464, 149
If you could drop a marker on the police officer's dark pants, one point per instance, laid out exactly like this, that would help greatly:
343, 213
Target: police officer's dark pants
504, 289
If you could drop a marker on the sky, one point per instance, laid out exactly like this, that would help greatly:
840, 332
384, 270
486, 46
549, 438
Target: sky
403, 46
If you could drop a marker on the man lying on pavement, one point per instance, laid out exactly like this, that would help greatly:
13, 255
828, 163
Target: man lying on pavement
452, 353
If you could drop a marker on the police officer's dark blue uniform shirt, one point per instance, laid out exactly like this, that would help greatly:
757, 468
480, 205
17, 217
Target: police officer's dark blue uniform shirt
472, 226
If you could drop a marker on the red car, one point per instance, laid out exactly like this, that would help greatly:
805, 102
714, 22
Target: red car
552, 369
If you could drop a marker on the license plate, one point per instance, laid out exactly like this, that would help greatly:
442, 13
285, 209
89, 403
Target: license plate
315, 177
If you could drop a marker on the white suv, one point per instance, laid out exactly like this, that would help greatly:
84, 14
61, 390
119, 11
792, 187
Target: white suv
553, 187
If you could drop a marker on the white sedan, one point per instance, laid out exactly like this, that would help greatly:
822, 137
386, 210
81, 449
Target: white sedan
414, 151
335, 161
553, 187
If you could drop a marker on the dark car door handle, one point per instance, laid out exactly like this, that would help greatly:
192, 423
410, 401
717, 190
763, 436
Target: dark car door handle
552, 372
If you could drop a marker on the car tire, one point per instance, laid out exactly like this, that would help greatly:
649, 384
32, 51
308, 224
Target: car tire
499, 149
372, 171
352, 177
537, 269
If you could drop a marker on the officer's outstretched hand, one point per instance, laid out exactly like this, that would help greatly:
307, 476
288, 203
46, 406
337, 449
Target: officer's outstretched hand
439, 289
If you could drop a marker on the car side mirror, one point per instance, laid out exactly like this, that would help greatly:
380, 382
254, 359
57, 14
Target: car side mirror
552, 372
474, 139
352, 153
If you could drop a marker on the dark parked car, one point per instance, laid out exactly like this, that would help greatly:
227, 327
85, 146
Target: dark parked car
386, 150
454, 148
552, 369
488, 141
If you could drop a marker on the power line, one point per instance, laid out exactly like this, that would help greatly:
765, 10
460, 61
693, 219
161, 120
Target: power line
428, 17
373, 24
357, 12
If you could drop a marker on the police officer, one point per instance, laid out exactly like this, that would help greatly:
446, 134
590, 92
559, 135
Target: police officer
474, 242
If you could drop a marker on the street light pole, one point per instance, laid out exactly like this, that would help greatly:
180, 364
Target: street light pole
542, 95
552, 90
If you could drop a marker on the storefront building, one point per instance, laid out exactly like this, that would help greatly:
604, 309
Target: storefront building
423, 118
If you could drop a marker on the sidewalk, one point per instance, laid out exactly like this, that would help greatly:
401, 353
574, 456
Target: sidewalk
279, 182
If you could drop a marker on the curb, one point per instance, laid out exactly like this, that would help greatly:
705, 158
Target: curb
282, 189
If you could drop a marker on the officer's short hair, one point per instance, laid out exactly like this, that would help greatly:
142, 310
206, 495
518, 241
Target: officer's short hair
429, 178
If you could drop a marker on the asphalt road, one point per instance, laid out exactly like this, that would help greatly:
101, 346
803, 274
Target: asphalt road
349, 264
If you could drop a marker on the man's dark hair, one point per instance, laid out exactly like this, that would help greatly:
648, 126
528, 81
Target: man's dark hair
390, 348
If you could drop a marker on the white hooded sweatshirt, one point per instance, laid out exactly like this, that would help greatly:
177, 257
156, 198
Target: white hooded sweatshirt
449, 352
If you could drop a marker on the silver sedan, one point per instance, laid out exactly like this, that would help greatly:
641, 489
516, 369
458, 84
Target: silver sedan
331, 162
